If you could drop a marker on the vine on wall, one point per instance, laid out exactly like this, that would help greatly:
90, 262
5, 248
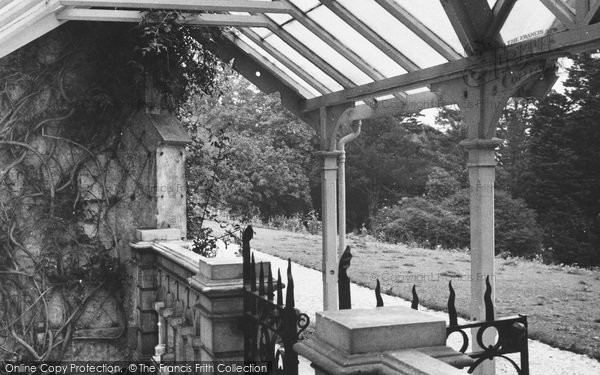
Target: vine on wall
73, 170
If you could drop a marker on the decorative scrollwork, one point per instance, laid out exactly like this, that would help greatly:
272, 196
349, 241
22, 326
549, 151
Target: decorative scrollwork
302, 322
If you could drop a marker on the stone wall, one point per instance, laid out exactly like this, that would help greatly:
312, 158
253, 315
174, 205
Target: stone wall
77, 177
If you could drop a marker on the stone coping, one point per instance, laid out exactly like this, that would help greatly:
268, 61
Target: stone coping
221, 275
330, 360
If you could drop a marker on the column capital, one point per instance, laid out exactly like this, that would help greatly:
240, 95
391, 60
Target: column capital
481, 151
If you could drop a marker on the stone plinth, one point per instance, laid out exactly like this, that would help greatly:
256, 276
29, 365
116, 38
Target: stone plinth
384, 340
380, 330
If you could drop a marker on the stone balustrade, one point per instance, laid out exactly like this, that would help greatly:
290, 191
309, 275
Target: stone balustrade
187, 307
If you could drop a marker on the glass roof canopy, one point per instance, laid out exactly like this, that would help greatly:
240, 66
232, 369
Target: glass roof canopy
321, 47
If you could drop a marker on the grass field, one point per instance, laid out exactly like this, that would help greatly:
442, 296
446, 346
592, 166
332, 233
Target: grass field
563, 303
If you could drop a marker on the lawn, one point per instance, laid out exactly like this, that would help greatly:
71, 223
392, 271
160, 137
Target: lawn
562, 303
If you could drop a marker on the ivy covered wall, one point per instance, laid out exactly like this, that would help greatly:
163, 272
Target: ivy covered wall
77, 177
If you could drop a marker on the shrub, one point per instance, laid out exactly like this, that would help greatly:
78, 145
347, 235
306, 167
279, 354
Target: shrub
517, 231
420, 221
446, 223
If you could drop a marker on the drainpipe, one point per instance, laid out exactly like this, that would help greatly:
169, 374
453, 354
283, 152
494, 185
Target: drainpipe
342, 187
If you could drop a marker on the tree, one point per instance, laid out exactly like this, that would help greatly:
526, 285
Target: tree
562, 174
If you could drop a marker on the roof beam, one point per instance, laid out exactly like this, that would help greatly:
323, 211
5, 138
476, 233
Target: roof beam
76, 14
371, 35
24, 34
500, 13
564, 14
549, 46
422, 31
266, 65
251, 6
16, 10
285, 61
470, 20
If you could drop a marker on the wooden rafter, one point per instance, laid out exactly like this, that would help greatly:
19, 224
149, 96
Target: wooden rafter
337, 45
15, 11
269, 66
500, 13
371, 35
331, 41
285, 60
470, 20
562, 12
309, 54
550, 46
106, 15
422, 31
253, 6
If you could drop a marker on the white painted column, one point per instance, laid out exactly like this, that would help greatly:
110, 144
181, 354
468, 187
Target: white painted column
329, 230
482, 169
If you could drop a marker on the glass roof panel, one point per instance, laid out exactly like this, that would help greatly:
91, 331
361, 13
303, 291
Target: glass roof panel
303, 63
327, 53
528, 19
279, 18
291, 74
305, 5
261, 31
355, 41
398, 35
432, 14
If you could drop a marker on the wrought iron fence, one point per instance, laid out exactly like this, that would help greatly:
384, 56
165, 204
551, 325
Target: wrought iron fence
271, 328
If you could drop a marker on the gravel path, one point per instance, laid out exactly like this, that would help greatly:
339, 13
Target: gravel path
543, 359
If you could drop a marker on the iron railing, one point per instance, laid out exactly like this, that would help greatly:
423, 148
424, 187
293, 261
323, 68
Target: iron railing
271, 328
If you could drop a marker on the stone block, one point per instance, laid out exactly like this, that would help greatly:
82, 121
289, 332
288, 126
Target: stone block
380, 329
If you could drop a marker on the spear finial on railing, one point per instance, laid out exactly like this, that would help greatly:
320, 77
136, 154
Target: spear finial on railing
378, 294
270, 284
451, 307
279, 288
487, 298
415, 298
261, 280
253, 274
246, 237
289, 292
344, 297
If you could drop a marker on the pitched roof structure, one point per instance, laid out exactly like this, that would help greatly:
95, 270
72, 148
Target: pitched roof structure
328, 52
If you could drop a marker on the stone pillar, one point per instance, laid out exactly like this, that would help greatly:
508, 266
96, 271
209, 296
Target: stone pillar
329, 229
386, 340
171, 187
482, 167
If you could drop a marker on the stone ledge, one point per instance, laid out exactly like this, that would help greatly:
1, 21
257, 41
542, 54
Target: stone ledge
150, 235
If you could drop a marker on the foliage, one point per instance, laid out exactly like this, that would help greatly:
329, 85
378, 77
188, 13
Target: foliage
560, 179
175, 56
440, 184
392, 159
445, 223
260, 166
422, 222
64, 109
